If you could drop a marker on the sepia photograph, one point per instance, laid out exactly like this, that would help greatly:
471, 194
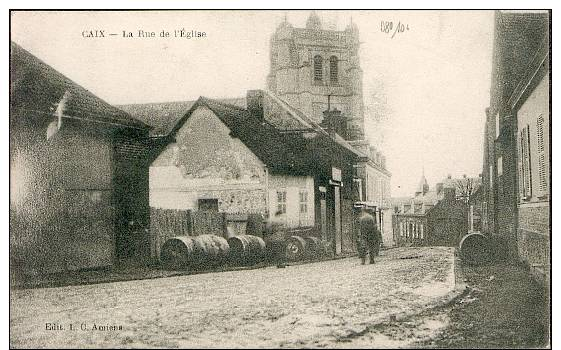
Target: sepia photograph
280, 178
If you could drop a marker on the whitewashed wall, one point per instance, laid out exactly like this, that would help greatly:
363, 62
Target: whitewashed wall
292, 185
206, 162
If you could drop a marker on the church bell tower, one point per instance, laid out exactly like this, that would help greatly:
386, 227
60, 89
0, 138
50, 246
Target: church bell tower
311, 65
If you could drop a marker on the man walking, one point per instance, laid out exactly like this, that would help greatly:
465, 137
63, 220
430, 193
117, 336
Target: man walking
369, 237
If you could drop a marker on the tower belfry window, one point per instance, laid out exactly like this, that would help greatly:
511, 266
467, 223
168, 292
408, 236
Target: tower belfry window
333, 69
318, 68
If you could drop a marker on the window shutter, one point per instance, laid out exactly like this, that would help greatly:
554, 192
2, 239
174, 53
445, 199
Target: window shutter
541, 156
527, 163
521, 179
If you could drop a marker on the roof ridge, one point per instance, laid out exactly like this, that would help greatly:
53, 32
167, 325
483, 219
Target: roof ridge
155, 103
115, 114
213, 100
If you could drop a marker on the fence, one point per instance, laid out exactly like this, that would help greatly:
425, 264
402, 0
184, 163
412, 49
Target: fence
168, 223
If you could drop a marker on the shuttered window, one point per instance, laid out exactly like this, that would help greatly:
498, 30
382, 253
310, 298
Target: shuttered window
500, 166
497, 125
542, 163
524, 164
491, 175
520, 166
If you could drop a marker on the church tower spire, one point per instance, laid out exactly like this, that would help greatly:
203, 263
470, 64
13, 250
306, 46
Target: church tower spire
313, 22
423, 185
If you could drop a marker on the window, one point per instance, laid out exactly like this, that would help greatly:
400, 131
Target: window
303, 201
499, 166
333, 69
491, 176
281, 202
524, 171
422, 232
497, 125
318, 68
542, 165
401, 229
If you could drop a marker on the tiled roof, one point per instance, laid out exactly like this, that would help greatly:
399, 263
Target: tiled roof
164, 116
429, 197
271, 146
400, 200
518, 37
36, 87
302, 121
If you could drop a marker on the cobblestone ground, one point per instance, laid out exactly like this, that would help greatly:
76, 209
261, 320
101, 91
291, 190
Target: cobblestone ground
323, 304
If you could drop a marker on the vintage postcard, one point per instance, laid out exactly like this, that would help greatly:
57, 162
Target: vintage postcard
280, 179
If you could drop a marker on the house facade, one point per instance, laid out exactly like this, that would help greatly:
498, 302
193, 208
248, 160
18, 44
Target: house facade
374, 190
517, 169
431, 217
207, 167
69, 187
267, 159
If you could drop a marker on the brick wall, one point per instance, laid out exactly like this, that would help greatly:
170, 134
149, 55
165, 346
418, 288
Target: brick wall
534, 235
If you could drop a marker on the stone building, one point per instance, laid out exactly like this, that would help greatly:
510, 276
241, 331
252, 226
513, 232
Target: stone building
516, 168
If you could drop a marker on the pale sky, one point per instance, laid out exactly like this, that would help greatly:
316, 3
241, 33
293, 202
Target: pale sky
435, 76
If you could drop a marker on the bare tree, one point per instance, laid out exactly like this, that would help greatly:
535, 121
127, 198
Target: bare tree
465, 188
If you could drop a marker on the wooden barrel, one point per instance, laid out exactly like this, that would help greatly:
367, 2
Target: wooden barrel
246, 249
274, 247
177, 252
295, 248
475, 249
200, 252
314, 247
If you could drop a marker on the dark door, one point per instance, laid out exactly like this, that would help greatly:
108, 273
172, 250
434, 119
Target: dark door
337, 219
323, 218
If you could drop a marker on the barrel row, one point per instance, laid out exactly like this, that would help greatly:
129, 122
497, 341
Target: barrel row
208, 251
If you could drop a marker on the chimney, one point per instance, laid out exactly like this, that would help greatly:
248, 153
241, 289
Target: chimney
255, 102
333, 122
